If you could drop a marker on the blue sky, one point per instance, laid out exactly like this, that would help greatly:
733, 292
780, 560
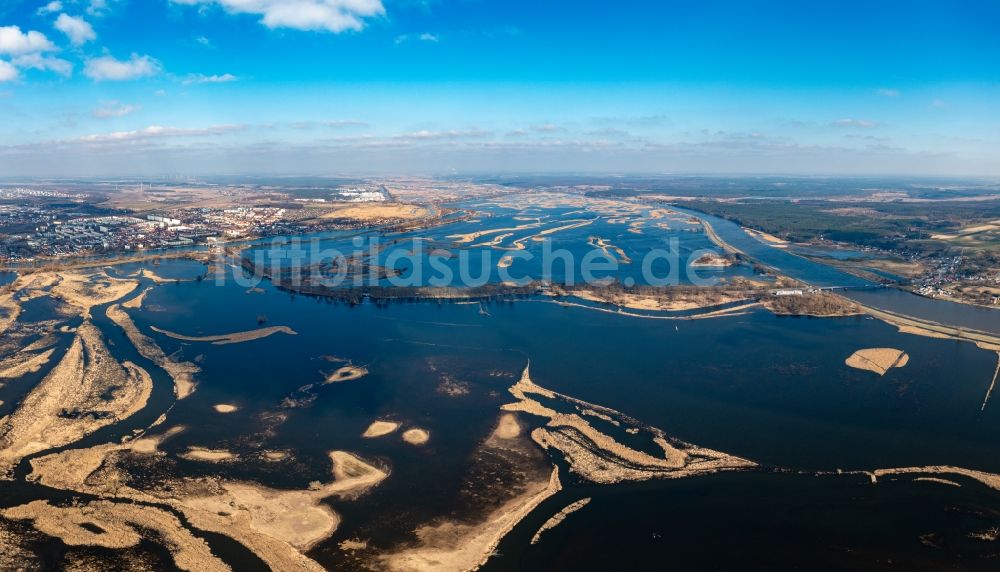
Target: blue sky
189, 87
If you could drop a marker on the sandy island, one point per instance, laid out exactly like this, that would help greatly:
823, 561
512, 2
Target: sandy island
346, 373
557, 519
181, 372
23, 363
225, 408
878, 360
279, 526
88, 389
380, 429
209, 455
416, 436
151, 445
85, 291
599, 457
111, 525
234, 338
609, 249
766, 238
991, 480
677, 301
712, 260
507, 427
137, 302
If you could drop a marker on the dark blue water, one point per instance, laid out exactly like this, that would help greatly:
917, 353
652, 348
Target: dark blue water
940, 311
775, 390
762, 522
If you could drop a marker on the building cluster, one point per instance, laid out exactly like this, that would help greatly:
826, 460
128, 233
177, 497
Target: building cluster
79, 236
19, 219
58, 236
29, 193
236, 222
952, 277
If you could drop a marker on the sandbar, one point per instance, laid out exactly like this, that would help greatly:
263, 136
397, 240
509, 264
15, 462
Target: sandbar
558, 518
599, 457
380, 429
24, 363
233, 338
86, 291
507, 427
151, 445
991, 480
346, 373
88, 389
181, 372
119, 525
136, 303
878, 360
416, 436
712, 260
276, 525
673, 301
609, 249
209, 455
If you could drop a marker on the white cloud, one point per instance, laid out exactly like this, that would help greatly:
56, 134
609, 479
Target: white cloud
78, 30
13, 41
159, 132
51, 8
887, 92
425, 135
199, 78
425, 37
609, 132
100, 8
862, 123
343, 123
107, 68
632, 120
44, 63
27, 51
322, 15
547, 128
7, 72
112, 109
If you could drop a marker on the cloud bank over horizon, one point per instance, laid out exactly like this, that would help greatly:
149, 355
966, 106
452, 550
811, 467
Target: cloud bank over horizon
120, 87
